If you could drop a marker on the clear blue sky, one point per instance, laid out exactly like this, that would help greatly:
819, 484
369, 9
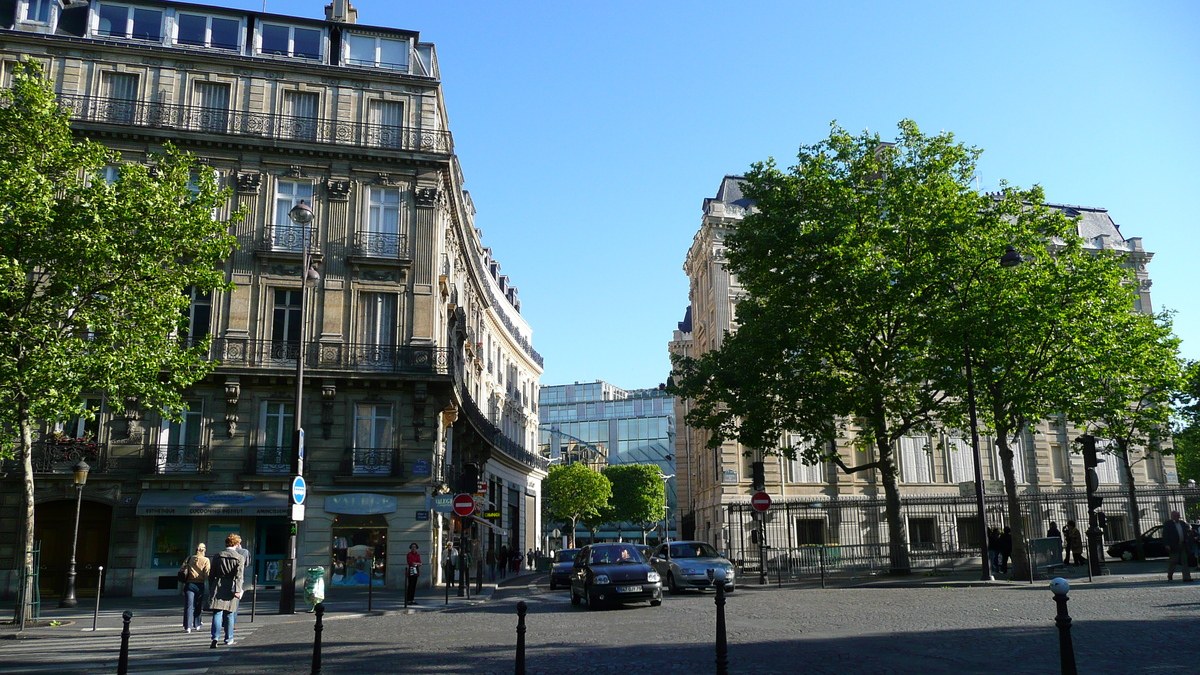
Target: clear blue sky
590, 132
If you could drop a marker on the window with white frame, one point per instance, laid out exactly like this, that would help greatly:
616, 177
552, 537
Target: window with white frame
287, 235
797, 470
179, 440
915, 464
380, 52
122, 92
385, 120
960, 459
383, 210
373, 426
1109, 471
274, 455
79, 425
379, 319
138, 23
199, 30
213, 100
38, 11
1019, 446
280, 40
303, 111
198, 314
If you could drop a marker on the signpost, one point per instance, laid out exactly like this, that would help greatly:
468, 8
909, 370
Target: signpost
299, 492
464, 505
761, 501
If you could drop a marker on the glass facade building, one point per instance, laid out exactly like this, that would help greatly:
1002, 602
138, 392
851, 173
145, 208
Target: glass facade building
602, 425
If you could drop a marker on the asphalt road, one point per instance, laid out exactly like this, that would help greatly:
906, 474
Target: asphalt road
1120, 627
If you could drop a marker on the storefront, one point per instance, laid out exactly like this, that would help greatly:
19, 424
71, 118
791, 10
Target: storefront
359, 534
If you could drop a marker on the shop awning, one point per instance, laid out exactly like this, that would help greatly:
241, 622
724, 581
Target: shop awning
499, 530
179, 503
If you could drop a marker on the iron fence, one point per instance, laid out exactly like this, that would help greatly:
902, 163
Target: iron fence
373, 462
289, 238
270, 460
496, 437
809, 537
380, 245
178, 458
60, 456
262, 125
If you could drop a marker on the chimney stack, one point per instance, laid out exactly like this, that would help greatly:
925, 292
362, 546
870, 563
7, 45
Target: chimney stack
341, 11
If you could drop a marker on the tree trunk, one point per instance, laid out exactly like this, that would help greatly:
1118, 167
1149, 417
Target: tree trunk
897, 542
573, 526
1020, 561
25, 592
1139, 549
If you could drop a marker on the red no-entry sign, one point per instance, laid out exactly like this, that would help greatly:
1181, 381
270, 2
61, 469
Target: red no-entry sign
761, 501
464, 505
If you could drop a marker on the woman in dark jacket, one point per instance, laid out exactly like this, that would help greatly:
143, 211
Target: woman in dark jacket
1004, 546
993, 542
225, 577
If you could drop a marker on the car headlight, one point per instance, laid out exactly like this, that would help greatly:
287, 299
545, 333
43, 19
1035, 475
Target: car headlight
652, 577
601, 579
728, 574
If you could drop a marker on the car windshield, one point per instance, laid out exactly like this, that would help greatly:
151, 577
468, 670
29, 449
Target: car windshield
696, 549
567, 555
608, 555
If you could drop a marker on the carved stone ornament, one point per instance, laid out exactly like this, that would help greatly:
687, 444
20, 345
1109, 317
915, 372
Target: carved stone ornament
380, 275
337, 190
248, 183
383, 179
328, 395
426, 196
295, 171
233, 392
284, 270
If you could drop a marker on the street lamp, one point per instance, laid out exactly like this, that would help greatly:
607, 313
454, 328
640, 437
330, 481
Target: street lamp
1011, 258
302, 215
81, 469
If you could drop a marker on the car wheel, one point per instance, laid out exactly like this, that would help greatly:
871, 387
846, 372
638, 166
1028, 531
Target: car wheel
574, 598
730, 588
552, 586
655, 603
675, 590
1127, 555
589, 600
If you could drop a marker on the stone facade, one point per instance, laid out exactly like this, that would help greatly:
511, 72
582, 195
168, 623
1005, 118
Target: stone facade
418, 359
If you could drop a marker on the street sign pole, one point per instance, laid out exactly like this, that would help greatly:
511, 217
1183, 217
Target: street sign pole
761, 501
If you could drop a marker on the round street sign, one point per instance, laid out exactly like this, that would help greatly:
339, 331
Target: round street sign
464, 504
299, 490
761, 501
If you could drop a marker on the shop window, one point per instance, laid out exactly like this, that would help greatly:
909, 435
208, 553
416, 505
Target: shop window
359, 551
172, 541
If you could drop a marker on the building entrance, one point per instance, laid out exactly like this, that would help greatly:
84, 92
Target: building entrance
359, 551
54, 524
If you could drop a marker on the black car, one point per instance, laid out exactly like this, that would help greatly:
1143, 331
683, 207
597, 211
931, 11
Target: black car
1152, 544
613, 573
560, 573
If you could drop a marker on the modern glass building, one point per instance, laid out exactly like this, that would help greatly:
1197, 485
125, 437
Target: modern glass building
602, 425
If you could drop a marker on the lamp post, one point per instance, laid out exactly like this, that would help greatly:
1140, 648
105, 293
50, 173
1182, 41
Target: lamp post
1011, 258
302, 215
81, 469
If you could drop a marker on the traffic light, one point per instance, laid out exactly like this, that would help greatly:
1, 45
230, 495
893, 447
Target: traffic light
469, 478
1102, 520
1090, 460
1094, 502
758, 476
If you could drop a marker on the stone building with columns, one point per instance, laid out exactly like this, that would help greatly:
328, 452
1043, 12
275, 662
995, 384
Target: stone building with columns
418, 359
709, 481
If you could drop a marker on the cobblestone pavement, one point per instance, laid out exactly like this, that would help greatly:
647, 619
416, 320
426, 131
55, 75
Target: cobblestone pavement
1120, 626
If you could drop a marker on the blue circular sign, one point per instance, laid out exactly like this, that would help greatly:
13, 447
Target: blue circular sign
299, 490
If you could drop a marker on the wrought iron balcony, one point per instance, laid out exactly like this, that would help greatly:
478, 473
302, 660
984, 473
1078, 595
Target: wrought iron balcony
493, 435
373, 462
169, 459
357, 357
59, 456
168, 116
380, 245
289, 238
270, 460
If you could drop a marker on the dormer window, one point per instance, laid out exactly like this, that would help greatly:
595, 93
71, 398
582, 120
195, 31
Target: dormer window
123, 21
38, 11
278, 40
197, 30
377, 52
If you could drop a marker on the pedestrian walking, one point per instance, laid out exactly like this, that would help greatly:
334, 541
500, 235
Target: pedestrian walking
1176, 536
413, 562
1004, 545
195, 574
491, 563
245, 554
993, 547
502, 560
1053, 532
529, 559
516, 559
225, 573
1074, 544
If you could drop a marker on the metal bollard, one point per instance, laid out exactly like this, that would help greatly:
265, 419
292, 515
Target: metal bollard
722, 648
317, 628
407, 583
123, 660
99, 587
254, 597
1066, 649
370, 583
521, 609
479, 576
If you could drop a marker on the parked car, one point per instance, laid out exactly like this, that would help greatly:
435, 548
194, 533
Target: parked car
1152, 544
686, 565
560, 573
613, 573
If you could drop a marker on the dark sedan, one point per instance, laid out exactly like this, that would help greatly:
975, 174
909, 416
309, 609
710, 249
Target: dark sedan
564, 562
613, 573
1152, 544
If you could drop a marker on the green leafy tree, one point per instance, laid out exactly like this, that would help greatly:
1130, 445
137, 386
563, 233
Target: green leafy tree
575, 492
639, 495
1186, 425
1143, 373
93, 274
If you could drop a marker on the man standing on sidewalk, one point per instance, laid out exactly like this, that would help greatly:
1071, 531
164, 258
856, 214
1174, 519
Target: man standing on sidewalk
1175, 537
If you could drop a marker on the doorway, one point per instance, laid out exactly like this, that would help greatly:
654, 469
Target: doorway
54, 525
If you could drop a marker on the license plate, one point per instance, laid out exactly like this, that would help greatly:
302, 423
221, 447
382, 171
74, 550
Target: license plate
629, 589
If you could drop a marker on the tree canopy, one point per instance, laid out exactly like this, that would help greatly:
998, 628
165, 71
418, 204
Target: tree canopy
93, 272
574, 492
639, 494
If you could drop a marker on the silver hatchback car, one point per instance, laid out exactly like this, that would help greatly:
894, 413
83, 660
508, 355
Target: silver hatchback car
687, 565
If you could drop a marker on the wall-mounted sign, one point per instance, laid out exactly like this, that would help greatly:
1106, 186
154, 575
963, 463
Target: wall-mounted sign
422, 515
443, 503
420, 467
223, 497
730, 476
360, 504
491, 514
297, 513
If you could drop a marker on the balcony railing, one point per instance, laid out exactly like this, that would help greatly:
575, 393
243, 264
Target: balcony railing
492, 434
272, 460
60, 456
359, 357
169, 459
373, 462
380, 245
289, 238
261, 125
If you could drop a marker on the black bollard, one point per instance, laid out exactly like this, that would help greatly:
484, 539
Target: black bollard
254, 597
479, 576
722, 648
407, 581
317, 628
123, 659
370, 583
99, 587
521, 609
1066, 649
